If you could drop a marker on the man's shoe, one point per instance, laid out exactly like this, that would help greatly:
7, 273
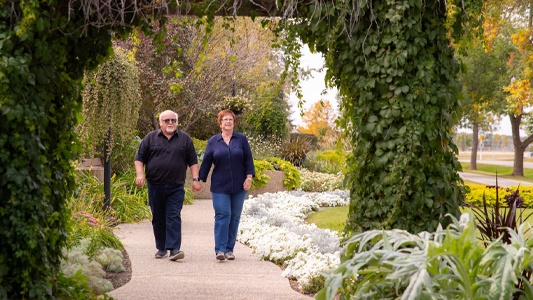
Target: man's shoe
220, 255
229, 256
176, 254
160, 253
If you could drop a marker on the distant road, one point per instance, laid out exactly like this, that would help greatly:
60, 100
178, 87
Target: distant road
491, 180
528, 165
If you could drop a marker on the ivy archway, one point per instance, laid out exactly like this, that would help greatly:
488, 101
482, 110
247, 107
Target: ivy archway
391, 61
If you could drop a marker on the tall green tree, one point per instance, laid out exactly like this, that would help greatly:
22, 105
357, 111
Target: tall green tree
485, 76
268, 116
511, 22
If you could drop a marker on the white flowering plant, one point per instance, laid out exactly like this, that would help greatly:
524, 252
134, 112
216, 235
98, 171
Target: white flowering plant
273, 224
320, 182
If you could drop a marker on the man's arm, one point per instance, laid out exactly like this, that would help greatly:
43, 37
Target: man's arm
196, 183
140, 180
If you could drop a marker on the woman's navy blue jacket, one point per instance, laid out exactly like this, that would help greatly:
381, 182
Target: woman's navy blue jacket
231, 163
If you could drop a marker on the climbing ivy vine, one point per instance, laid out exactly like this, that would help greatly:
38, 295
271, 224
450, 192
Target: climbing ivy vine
393, 63
44, 52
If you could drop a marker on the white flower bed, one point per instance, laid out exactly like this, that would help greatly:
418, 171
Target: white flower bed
273, 225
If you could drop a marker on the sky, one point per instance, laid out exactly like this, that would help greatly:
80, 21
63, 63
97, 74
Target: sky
313, 87
505, 126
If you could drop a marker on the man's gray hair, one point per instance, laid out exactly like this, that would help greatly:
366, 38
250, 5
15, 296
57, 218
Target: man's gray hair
167, 111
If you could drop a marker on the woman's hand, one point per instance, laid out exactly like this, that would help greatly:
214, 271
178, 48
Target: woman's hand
247, 183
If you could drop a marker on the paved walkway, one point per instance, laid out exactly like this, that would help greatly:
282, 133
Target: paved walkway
199, 275
491, 180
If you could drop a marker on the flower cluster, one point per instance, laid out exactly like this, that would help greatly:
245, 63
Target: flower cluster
320, 182
273, 225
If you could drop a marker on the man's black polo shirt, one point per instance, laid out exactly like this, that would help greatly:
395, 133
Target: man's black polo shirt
166, 160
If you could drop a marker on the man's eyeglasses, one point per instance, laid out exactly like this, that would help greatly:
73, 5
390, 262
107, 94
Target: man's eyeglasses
227, 120
170, 120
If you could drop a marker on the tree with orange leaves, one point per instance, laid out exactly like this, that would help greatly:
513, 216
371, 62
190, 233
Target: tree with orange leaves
320, 121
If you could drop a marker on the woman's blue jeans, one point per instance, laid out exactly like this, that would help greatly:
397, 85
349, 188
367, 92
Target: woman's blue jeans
166, 202
228, 209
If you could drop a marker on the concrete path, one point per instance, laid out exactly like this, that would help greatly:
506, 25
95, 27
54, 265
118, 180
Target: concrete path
199, 275
491, 180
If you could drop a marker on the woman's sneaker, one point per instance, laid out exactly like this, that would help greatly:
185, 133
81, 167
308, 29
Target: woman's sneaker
229, 255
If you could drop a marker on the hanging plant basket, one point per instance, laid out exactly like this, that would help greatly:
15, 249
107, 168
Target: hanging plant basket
237, 104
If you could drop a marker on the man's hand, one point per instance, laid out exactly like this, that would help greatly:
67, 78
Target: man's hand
140, 180
197, 186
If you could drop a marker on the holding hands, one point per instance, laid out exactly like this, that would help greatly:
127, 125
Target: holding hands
197, 186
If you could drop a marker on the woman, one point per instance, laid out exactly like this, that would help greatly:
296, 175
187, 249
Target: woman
233, 170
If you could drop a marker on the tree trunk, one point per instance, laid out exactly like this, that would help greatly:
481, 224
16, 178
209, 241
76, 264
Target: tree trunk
518, 165
475, 143
519, 146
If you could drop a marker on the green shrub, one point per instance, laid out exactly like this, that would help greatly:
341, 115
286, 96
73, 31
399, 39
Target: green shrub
314, 285
77, 259
87, 216
189, 195
199, 146
327, 161
123, 154
129, 203
73, 287
110, 259
498, 223
263, 148
295, 151
292, 179
261, 179
475, 193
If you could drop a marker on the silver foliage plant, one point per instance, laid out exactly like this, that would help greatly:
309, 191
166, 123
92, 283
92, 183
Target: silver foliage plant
450, 263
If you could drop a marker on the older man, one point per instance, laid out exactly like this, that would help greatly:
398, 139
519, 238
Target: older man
164, 155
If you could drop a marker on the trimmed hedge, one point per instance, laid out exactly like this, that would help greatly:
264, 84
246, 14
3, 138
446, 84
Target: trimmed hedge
475, 192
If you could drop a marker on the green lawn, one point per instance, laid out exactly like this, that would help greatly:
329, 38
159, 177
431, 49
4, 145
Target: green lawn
334, 218
503, 171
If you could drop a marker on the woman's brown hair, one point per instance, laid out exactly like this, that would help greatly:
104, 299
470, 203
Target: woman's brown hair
223, 113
